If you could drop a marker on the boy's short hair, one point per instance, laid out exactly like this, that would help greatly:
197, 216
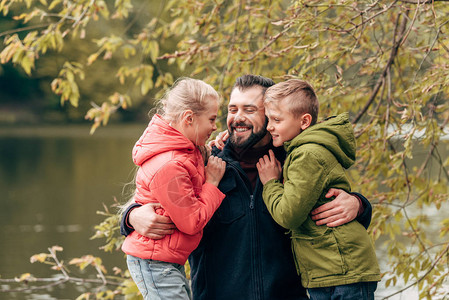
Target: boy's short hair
299, 96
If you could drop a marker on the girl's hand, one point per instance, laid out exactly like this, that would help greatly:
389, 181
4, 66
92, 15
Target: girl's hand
269, 168
215, 170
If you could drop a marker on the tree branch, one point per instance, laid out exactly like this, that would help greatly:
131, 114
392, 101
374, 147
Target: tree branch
23, 29
54, 282
430, 49
393, 54
433, 147
355, 26
78, 20
232, 40
60, 279
423, 276
373, 16
422, 2
36, 288
287, 27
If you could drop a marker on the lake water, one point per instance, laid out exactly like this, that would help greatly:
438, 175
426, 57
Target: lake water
52, 183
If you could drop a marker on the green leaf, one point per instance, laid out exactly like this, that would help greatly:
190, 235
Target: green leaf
53, 4
154, 50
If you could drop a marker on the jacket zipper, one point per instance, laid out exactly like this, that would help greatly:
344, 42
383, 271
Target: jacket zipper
251, 202
257, 277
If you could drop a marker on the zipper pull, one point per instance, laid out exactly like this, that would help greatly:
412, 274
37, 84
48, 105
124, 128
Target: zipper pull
251, 202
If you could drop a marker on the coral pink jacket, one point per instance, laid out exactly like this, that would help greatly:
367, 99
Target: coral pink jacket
171, 173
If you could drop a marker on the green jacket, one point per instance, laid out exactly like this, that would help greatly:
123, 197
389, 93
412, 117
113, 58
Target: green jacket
315, 162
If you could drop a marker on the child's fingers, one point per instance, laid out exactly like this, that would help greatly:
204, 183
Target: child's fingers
266, 159
271, 153
278, 165
219, 144
212, 161
217, 162
225, 136
222, 163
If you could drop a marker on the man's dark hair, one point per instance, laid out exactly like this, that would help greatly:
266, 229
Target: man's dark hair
247, 81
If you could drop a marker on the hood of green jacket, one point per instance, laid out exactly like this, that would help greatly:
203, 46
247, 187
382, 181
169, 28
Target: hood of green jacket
335, 134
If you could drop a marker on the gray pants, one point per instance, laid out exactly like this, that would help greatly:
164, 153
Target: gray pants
158, 280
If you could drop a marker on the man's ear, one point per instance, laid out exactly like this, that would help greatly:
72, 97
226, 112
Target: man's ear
306, 120
187, 117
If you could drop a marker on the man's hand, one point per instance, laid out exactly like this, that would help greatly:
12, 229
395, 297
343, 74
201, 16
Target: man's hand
220, 140
148, 223
341, 210
269, 167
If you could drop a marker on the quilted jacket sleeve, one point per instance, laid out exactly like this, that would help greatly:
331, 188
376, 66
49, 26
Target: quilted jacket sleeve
290, 203
189, 203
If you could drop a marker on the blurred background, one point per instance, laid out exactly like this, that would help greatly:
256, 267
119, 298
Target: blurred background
386, 62
54, 175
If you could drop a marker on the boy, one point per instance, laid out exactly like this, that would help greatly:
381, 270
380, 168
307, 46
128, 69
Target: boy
332, 261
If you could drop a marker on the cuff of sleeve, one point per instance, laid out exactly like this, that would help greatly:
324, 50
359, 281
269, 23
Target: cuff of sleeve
216, 189
361, 207
364, 218
125, 227
274, 180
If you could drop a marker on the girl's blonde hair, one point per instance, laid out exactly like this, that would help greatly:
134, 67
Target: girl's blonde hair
186, 94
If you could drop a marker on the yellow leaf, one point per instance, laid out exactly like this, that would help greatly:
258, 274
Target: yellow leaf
57, 248
94, 127
26, 65
84, 296
25, 277
39, 257
147, 84
74, 99
154, 50
92, 58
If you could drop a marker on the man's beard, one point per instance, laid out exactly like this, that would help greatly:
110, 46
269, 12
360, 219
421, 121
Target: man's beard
243, 144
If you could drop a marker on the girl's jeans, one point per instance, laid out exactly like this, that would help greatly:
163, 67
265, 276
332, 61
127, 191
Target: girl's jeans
355, 291
158, 280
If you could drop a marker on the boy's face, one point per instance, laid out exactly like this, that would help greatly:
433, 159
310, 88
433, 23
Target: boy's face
246, 119
282, 124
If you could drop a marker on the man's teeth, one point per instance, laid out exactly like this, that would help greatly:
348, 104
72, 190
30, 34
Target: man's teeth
241, 129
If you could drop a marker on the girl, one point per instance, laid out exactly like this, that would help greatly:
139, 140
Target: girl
172, 173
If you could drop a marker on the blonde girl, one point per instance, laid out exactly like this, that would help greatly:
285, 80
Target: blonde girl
172, 174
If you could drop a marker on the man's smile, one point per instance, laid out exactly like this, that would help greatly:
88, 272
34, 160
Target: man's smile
241, 129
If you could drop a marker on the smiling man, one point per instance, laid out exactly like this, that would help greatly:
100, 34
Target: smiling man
245, 123
244, 254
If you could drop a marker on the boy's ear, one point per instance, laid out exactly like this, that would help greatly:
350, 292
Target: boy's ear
306, 120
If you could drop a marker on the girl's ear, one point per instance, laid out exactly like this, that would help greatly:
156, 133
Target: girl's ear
187, 117
306, 120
